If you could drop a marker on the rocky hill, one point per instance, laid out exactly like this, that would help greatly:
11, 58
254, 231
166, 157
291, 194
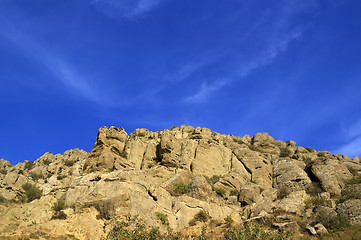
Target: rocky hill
183, 182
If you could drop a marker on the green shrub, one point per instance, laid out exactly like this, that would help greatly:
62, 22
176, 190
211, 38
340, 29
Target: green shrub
349, 193
253, 231
32, 192
332, 222
284, 152
239, 141
179, 188
124, 154
20, 172
354, 180
174, 127
3, 171
163, 218
2, 199
201, 216
69, 163
35, 176
141, 134
309, 149
254, 148
29, 165
233, 193
136, 231
221, 192
214, 179
316, 200
229, 220
60, 177
59, 205
46, 162
314, 189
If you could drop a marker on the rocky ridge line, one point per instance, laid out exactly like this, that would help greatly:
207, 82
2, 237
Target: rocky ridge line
179, 172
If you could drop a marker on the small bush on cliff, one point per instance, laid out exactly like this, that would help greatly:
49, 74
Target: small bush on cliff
163, 218
32, 192
314, 189
239, 141
124, 154
316, 201
60, 177
221, 192
36, 176
179, 189
354, 180
253, 231
29, 165
3, 171
46, 162
201, 216
233, 193
214, 179
69, 163
284, 152
332, 222
59, 205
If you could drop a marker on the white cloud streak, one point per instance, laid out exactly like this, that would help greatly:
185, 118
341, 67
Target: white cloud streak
274, 47
57, 65
129, 9
353, 148
205, 90
266, 57
352, 135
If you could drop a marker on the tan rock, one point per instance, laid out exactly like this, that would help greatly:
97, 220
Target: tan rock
331, 174
290, 174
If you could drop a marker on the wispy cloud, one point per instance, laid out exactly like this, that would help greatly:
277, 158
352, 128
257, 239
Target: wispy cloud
352, 148
63, 72
129, 9
265, 57
352, 136
277, 43
205, 90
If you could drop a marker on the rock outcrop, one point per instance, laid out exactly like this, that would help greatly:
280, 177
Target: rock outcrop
182, 173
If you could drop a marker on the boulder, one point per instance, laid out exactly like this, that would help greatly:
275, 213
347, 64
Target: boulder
290, 174
351, 210
199, 188
294, 202
331, 174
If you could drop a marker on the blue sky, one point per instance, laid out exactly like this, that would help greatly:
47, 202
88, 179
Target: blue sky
291, 68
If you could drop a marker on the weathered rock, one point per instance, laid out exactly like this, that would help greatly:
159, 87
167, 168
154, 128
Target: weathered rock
166, 172
294, 202
351, 209
211, 159
248, 194
320, 229
290, 174
108, 150
199, 188
331, 174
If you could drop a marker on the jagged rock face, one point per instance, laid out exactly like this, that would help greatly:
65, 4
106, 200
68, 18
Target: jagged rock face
289, 173
178, 172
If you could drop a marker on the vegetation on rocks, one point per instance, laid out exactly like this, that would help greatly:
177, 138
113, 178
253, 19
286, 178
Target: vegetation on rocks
32, 192
179, 189
200, 184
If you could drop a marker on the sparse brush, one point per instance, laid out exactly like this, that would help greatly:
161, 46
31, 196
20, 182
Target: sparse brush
163, 218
